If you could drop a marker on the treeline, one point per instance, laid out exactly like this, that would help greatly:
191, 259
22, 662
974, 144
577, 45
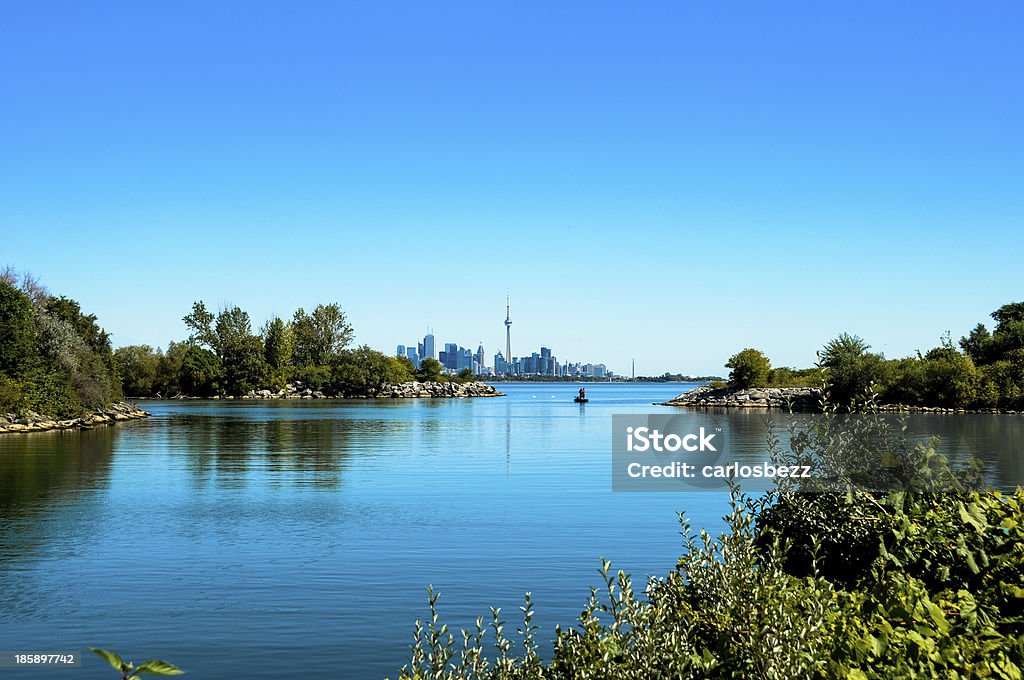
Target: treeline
225, 356
54, 359
676, 377
984, 370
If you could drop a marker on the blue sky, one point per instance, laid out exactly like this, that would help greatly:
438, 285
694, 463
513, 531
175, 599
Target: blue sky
670, 181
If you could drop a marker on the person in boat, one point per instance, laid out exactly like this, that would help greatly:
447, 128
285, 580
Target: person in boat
583, 393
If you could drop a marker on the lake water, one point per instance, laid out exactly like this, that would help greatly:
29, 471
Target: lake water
273, 539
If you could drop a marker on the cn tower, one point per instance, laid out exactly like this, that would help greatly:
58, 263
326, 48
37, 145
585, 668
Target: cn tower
508, 333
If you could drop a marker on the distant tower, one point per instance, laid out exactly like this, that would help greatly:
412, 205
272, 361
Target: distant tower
508, 331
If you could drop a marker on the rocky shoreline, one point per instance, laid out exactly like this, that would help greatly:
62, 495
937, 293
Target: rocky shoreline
800, 399
797, 398
34, 422
407, 390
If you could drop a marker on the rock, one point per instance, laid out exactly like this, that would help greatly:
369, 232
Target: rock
799, 398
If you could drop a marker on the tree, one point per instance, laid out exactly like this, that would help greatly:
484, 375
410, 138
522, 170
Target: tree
138, 367
201, 372
18, 346
362, 371
278, 343
200, 322
321, 336
240, 352
750, 368
169, 369
465, 375
950, 378
84, 325
978, 345
430, 370
851, 369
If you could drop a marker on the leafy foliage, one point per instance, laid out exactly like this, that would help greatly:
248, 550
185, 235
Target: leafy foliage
365, 371
985, 372
889, 584
129, 671
53, 358
749, 368
851, 369
430, 370
321, 336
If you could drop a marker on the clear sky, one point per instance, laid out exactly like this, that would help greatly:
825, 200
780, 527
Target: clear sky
670, 181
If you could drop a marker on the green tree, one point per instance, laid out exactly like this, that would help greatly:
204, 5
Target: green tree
278, 343
201, 372
18, 348
240, 352
84, 325
321, 336
200, 323
950, 378
430, 370
400, 370
54, 359
138, 367
362, 371
851, 369
169, 369
749, 368
978, 345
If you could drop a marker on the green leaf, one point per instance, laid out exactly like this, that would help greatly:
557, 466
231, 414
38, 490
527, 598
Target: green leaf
972, 515
111, 658
938, 617
157, 667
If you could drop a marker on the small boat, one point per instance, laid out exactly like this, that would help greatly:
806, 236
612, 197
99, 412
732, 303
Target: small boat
581, 400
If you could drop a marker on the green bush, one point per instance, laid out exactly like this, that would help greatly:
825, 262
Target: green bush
850, 370
890, 584
749, 368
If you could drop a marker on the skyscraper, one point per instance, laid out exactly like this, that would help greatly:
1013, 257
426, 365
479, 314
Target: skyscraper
428, 347
508, 329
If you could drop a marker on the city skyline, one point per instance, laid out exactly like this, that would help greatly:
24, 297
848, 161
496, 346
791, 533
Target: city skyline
455, 357
673, 183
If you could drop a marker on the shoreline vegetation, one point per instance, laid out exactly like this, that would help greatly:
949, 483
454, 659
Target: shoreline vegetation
58, 368
796, 399
407, 390
922, 579
982, 373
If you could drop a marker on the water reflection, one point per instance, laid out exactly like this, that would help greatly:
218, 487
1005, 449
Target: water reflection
996, 440
300, 447
46, 467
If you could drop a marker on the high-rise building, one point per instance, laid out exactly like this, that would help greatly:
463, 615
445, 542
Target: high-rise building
428, 347
508, 327
450, 356
413, 355
400, 352
546, 366
480, 359
463, 359
501, 367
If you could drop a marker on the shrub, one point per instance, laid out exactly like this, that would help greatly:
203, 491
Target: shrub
850, 585
750, 368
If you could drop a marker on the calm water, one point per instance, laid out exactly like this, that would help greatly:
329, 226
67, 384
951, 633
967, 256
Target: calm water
252, 539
